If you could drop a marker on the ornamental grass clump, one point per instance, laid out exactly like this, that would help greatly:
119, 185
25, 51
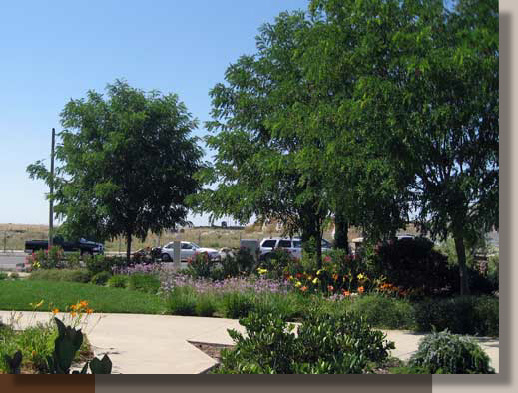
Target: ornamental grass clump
446, 353
182, 301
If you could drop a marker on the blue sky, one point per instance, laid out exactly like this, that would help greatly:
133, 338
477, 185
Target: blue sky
52, 51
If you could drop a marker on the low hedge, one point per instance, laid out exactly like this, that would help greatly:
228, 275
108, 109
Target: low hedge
385, 312
462, 315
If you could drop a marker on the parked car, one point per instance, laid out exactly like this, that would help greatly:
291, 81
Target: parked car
82, 246
293, 246
188, 249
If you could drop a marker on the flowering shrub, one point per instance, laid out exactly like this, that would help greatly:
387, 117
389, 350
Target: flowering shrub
47, 259
200, 265
171, 280
143, 268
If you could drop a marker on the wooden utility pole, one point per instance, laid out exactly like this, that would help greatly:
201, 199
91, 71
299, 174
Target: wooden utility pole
51, 201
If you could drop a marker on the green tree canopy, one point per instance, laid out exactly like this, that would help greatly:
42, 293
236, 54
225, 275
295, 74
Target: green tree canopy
426, 97
127, 162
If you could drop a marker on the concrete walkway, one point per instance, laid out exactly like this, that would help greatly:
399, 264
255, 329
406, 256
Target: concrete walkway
159, 344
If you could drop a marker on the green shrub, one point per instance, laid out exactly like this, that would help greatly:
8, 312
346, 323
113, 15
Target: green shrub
461, 315
413, 263
276, 262
3, 276
14, 276
216, 274
241, 263
446, 353
482, 282
182, 301
200, 265
118, 281
323, 345
206, 305
384, 312
101, 278
73, 260
142, 282
73, 275
237, 305
101, 263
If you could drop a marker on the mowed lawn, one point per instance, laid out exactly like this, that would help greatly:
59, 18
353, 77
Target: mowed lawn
17, 294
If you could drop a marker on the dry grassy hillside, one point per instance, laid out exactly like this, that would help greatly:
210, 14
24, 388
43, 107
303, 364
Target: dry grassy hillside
13, 236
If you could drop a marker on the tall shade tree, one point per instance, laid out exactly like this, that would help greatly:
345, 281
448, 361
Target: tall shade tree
127, 162
426, 97
266, 162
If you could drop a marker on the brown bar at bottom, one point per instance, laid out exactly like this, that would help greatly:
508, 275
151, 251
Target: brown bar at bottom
47, 383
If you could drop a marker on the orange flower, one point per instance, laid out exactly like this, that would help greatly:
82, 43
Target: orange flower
304, 288
361, 290
73, 307
55, 311
89, 311
346, 293
330, 288
73, 313
335, 277
83, 303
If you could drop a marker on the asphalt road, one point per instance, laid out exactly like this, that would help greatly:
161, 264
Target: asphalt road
9, 261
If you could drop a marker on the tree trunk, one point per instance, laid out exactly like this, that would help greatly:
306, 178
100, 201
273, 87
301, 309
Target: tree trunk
318, 241
461, 258
341, 229
128, 244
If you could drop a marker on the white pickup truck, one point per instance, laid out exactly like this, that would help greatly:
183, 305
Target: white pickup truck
293, 246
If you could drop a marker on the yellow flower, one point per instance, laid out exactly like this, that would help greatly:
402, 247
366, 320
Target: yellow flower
360, 276
261, 271
37, 305
298, 284
315, 280
319, 272
55, 311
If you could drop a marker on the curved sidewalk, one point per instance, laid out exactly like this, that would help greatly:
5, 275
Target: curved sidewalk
159, 344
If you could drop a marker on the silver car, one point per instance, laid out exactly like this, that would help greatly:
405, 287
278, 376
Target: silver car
188, 249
